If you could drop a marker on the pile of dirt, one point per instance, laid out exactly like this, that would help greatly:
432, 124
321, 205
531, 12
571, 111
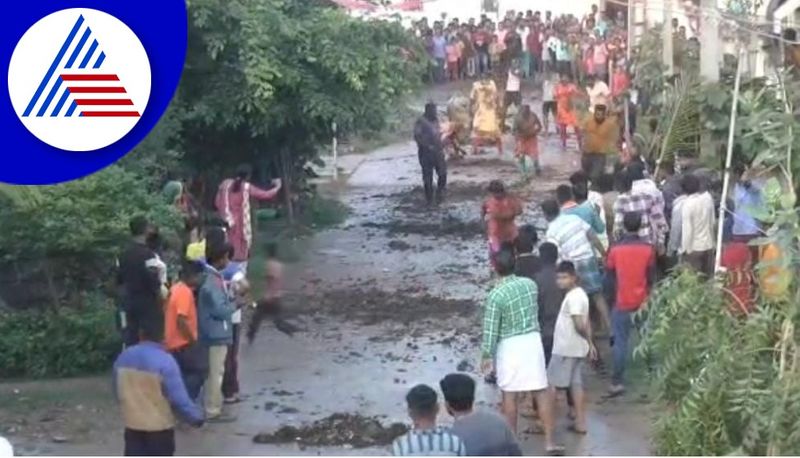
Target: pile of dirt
336, 430
372, 306
448, 226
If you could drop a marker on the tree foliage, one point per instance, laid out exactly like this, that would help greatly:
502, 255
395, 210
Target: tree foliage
269, 75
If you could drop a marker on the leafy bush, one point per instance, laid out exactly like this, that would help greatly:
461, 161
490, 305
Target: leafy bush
67, 242
58, 342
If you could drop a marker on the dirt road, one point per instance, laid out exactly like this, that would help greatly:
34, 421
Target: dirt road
389, 299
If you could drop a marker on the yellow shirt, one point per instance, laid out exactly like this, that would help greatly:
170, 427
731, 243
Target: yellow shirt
196, 251
601, 137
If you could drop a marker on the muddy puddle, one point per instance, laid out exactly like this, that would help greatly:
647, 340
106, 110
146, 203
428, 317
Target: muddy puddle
374, 306
339, 429
446, 226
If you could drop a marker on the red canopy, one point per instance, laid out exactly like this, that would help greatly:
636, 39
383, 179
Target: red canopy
407, 5
355, 4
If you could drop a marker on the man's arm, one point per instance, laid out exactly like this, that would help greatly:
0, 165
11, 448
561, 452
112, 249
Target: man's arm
491, 327
596, 243
598, 225
175, 391
659, 221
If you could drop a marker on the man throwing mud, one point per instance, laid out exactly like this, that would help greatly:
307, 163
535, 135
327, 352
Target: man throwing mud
430, 149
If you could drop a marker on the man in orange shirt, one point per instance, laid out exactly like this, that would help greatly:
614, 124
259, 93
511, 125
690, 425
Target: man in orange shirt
500, 211
180, 326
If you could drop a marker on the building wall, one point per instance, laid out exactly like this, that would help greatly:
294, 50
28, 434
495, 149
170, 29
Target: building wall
465, 9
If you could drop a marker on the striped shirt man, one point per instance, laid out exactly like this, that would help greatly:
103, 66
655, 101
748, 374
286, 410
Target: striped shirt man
568, 233
512, 309
439, 441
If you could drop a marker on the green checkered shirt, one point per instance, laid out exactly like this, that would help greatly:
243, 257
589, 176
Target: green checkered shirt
512, 309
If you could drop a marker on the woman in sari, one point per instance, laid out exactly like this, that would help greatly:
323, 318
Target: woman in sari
485, 123
233, 205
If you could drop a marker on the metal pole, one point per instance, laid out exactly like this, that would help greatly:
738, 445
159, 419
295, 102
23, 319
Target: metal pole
628, 54
723, 206
335, 153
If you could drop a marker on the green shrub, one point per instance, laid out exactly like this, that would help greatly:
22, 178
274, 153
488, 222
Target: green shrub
58, 342
67, 242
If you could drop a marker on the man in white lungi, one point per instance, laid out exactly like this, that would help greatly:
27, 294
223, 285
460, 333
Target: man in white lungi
511, 333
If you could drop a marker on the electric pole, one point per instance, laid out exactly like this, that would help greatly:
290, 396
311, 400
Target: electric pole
667, 53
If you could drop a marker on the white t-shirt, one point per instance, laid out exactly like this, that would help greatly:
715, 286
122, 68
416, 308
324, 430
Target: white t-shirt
523, 34
513, 82
566, 340
598, 95
548, 94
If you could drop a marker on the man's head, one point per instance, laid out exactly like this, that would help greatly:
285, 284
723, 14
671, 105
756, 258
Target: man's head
423, 405
566, 276
218, 254
600, 113
497, 189
192, 273
459, 393
525, 111
527, 239
690, 184
632, 222
139, 227
579, 177
674, 23
636, 170
623, 182
548, 253
565, 78
505, 261
581, 192
604, 183
152, 326
564, 194
551, 209
430, 112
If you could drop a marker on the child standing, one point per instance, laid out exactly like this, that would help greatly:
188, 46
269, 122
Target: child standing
572, 344
499, 211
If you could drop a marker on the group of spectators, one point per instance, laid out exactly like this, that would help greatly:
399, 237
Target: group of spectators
182, 336
534, 43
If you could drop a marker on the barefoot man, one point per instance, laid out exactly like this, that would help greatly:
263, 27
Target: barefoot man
511, 327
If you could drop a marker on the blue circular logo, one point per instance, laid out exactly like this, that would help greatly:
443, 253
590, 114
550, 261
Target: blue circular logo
87, 81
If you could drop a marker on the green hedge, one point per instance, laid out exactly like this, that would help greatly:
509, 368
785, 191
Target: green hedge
60, 342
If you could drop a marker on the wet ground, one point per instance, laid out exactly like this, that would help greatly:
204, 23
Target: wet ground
387, 300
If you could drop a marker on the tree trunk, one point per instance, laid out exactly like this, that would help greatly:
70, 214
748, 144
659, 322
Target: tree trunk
286, 178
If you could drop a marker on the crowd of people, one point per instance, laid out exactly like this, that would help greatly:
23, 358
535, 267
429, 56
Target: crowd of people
611, 232
182, 336
537, 44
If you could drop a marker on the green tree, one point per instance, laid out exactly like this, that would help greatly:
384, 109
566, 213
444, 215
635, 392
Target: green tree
265, 80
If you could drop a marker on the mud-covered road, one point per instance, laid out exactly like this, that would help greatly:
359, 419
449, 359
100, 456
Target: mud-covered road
389, 299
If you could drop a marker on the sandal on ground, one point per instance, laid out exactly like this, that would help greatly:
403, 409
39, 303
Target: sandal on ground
234, 400
614, 393
556, 450
574, 429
